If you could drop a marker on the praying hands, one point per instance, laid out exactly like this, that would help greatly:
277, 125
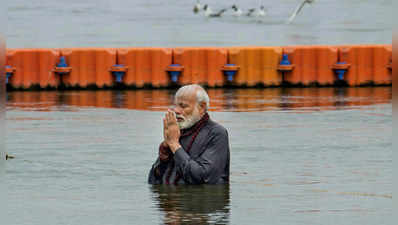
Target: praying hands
171, 131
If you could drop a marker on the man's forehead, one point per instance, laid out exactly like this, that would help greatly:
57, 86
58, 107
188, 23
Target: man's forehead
186, 97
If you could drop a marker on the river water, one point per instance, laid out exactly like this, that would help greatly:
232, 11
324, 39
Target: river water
171, 23
298, 156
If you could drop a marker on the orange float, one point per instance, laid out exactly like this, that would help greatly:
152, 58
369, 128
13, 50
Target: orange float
369, 64
313, 65
145, 66
257, 65
382, 65
32, 67
90, 67
201, 65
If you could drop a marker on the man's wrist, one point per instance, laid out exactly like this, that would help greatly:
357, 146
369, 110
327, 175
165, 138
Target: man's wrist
174, 147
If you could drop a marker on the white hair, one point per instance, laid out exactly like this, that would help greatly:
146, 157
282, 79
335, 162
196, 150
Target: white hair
201, 94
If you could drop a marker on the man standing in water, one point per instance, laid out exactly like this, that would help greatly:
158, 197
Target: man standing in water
195, 149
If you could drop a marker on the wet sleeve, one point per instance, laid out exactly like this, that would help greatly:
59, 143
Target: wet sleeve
157, 171
209, 167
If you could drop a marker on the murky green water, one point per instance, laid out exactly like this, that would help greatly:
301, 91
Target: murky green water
298, 156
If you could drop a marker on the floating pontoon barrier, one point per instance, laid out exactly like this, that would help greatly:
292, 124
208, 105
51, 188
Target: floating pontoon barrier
230, 71
33, 67
258, 65
118, 70
62, 70
341, 68
147, 66
175, 71
9, 72
62, 67
356, 65
90, 67
285, 65
201, 65
367, 64
312, 65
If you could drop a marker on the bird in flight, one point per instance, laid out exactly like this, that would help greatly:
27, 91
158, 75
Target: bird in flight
298, 9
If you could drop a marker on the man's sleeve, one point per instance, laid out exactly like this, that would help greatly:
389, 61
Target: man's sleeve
209, 167
156, 172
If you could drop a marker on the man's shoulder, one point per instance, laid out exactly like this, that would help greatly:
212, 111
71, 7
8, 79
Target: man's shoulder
216, 128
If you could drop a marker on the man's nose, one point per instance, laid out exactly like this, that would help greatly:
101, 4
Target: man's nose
177, 110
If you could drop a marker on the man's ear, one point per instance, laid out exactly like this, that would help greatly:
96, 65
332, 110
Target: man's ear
202, 107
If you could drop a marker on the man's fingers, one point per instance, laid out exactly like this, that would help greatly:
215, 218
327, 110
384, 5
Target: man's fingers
164, 129
167, 116
164, 125
172, 117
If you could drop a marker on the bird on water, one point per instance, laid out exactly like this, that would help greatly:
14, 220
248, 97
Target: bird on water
209, 13
9, 157
197, 7
256, 12
237, 11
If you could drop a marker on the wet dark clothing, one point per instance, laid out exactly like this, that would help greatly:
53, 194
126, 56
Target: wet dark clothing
206, 162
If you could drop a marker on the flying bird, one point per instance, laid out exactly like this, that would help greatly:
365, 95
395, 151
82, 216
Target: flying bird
298, 9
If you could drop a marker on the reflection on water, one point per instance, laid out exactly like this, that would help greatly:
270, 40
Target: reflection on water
220, 99
205, 204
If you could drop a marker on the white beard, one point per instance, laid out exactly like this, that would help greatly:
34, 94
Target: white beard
188, 122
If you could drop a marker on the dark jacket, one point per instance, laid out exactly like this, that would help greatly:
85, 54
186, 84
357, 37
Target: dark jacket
207, 162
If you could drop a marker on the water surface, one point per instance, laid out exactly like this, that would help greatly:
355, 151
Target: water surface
171, 23
298, 156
